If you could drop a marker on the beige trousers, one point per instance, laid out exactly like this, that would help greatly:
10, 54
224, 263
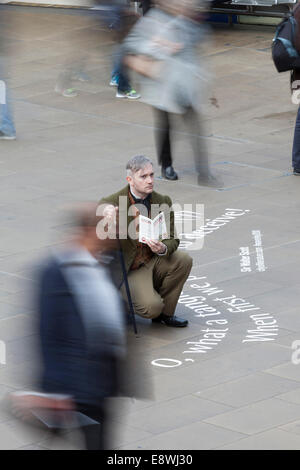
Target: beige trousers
156, 287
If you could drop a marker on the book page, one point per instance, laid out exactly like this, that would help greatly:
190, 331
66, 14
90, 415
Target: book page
159, 227
145, 229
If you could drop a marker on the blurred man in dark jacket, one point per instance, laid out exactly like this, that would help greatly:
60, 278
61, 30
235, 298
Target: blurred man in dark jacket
163, 49
7, 127
295, 85
81, 327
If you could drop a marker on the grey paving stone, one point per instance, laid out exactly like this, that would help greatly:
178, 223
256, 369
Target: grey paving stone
12, 283
292, 396
23, 433
293, 428
250, 389
287, 275
173, 413
125, 434
18, 326
249, 285
167, 334
257, 417
290, 342
281, 256
277, 301
121, 406
288, 370
193, 436
275, 439
231, 343
18, 299
74, 442
249, 360
270, 227
8, 439
164, 387
22, 350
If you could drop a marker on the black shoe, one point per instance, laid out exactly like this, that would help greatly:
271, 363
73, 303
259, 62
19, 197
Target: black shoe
170, 321
169, 173
296, 172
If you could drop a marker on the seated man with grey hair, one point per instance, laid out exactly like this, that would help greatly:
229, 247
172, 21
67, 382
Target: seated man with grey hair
156, 270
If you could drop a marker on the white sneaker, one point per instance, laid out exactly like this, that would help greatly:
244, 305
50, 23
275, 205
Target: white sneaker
4, 136
131, 94
67, 92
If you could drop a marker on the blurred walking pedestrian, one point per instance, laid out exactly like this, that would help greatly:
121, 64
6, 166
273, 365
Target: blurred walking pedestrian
123, 20
162, 48
295, 82
7, 127
81, 328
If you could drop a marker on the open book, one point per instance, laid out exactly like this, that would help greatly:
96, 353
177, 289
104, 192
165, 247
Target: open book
155, 229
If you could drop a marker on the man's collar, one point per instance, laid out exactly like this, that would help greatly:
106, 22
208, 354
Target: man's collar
134, 195
137, 198
155, 197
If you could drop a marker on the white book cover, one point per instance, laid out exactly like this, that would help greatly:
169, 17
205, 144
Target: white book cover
155, 229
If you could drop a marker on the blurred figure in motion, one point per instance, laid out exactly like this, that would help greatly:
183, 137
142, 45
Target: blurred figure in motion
74, 70
162, 48
123, 20
82, 328
73, 66
295, 85
7, 128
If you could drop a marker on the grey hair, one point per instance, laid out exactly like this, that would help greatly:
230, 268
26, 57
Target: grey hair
137, 163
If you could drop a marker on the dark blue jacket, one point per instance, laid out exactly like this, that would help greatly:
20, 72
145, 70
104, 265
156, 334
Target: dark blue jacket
68, 367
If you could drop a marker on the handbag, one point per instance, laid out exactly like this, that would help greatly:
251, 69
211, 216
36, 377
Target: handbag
284, 53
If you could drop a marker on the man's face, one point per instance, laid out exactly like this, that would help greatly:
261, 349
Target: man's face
142, 181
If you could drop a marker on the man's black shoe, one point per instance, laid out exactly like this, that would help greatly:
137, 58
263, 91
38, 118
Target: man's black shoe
296, 172
169, 173
170, 321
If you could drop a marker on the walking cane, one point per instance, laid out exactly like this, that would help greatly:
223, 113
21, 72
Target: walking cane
123, 266
131, 308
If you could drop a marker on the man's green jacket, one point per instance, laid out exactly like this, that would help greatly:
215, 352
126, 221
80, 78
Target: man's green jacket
159, 203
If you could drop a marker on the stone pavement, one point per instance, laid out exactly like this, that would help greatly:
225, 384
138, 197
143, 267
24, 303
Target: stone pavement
229, 384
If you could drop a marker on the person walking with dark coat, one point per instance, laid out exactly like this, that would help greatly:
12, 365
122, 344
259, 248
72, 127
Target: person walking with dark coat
295, 84
82, 333
162, 49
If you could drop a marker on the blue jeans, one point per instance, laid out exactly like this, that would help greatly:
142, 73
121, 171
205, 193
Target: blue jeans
119, 68
296, 143
121, 71
6, 120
